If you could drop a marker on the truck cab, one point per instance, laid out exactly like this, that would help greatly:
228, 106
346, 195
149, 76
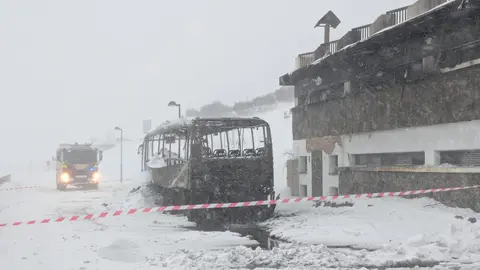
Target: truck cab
77, 165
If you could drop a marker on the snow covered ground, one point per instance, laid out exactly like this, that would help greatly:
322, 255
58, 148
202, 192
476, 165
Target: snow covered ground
385, 230
124, 242
374, 233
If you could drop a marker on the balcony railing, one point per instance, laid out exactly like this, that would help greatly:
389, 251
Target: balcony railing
304, 59
399, 15
332, 46
364, 31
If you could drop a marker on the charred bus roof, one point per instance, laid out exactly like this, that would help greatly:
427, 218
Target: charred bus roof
207, 125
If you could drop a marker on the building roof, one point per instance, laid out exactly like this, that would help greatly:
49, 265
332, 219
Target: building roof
418, 25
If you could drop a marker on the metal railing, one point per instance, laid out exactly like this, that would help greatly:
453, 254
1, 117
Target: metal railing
332, 46
364, 31
399, 15
304, 59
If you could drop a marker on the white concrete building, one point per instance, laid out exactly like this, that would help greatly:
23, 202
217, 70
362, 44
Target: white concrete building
426, 148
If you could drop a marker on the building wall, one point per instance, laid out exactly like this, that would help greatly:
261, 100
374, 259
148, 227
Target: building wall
329, 180
317, 172
446, 98
454, 136
304, 179
429, 139
292, 177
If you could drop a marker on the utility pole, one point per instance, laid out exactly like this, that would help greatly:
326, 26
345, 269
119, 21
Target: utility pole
121, 153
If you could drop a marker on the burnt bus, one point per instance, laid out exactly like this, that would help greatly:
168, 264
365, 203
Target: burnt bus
209, 160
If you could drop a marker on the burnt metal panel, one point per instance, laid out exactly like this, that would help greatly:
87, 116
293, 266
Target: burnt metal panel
165, 176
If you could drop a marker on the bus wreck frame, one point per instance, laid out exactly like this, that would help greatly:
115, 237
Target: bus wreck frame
233, 171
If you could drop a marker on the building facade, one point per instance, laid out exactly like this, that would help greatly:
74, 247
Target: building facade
394, 106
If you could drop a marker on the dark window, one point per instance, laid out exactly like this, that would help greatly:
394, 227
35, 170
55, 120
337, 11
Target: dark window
302, 164
80, 156
461, 158
333, 164
390, 159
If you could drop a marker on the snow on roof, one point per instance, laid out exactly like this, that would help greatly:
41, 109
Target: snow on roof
321, 58
169, 125
399, 24
406, 21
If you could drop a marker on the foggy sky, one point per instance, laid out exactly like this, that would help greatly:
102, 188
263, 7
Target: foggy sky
75, 69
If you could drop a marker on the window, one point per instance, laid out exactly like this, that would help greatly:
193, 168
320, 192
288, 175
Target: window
302, 164
465, 158
333, 163
304, 190
391, 159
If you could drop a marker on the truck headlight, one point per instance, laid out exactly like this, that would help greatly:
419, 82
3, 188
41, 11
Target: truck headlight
64, 177
96, 176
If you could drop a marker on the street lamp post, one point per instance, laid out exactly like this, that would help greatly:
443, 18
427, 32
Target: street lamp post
175, 104
121, 153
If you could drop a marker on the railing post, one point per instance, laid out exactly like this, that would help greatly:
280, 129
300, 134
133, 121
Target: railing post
327, 38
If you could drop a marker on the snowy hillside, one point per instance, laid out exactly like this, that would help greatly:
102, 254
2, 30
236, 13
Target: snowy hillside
282, 140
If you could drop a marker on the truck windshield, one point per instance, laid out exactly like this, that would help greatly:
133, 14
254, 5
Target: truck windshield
80, 156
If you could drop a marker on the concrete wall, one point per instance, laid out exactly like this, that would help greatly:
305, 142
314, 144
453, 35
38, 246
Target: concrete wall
299, 149
292, 177
352, 181
422, 6
429, 139
382, 22
454, 136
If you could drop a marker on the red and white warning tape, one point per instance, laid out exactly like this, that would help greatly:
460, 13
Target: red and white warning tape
233, 205
18, 188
